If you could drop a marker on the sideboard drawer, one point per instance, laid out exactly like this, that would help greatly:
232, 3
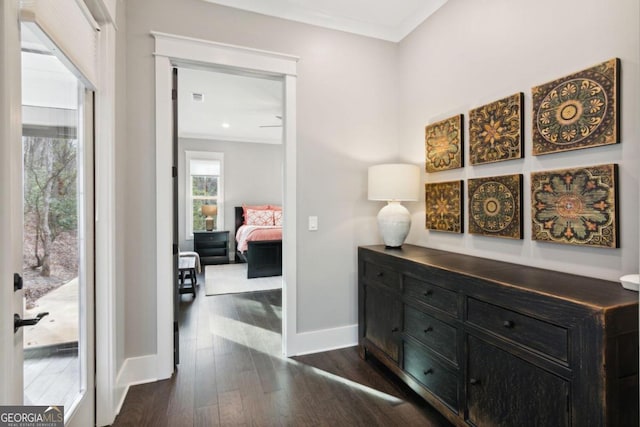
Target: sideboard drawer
431, 373
432, 294
430, 331
383, 275
534, 333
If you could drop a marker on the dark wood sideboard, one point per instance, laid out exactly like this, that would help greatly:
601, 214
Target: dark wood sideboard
489, 343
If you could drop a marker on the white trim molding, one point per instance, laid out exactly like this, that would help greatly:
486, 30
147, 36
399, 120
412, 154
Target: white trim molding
325, 340
164, 218
289, 241
135, 370
11, 386
105, 232
170, 51
185, 50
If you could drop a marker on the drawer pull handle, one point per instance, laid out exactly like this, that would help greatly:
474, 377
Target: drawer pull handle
428, 293
474, 381
508, 323
428, 372
394, 329
429, 329
379, 274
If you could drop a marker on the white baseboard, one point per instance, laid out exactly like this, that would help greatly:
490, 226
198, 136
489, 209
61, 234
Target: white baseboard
137, 370
120, 393
324, 340
134, 370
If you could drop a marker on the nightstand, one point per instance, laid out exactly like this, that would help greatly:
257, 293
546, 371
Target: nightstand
212, 246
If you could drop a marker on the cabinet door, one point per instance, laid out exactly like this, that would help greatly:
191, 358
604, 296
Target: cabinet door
383, 316
504, 390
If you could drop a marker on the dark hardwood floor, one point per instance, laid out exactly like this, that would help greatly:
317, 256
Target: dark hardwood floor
231, 372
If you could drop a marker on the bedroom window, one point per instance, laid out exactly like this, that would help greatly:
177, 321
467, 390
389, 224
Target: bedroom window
204, 181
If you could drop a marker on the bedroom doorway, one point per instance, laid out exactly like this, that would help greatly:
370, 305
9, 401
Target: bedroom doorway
229, 205
177, 51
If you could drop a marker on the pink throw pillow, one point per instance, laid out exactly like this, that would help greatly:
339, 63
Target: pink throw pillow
254, 207
259, 217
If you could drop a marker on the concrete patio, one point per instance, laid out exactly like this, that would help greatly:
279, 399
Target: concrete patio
61, 325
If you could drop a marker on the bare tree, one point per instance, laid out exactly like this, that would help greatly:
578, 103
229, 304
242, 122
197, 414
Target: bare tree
50, 192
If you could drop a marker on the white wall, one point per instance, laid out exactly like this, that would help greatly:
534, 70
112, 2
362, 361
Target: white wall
347, 120
363, 101
121, 166
252, 176
473, 52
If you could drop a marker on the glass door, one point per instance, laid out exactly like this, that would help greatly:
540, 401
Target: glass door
58, 229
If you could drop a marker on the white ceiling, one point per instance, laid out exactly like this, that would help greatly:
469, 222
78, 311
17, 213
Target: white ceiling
233, 107
383, 19
239, 108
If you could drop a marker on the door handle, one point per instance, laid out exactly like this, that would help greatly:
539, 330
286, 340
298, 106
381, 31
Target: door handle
19, 322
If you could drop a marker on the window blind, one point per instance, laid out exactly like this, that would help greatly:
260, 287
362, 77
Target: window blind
69, 26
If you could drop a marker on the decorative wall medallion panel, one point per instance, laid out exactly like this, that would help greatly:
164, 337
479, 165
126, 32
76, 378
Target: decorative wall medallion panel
495, 206
443, 144
575, 206
443, 203
495, 130
577, 111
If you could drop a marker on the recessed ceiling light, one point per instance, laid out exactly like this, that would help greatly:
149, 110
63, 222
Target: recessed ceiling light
226, 125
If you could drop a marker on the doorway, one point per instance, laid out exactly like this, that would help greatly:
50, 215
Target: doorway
230, 162
171, 51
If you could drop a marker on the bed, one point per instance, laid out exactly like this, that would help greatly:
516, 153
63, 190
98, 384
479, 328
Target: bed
259, 246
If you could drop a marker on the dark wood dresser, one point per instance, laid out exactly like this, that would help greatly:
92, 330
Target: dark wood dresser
489, 343
212, 246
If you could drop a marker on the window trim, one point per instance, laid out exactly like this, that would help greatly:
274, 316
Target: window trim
202, 155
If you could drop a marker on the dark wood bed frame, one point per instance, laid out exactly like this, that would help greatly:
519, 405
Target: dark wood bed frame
264, 258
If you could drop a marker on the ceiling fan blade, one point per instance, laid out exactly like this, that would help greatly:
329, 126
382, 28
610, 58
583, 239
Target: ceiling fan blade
273, 126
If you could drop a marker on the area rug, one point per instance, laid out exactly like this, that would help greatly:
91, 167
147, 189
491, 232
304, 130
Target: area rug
232, 279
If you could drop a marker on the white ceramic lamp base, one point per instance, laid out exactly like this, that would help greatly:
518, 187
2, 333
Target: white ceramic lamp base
394, 222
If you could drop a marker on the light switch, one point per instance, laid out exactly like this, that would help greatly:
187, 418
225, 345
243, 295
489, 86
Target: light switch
313, 223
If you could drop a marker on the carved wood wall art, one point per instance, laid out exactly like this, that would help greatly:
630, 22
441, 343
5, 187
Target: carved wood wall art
576, 206
443, 144
443, 206
577, 111
495, 206
495, 130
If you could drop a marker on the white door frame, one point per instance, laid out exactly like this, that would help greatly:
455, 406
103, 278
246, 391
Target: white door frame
11, 388
11, 201
172, 50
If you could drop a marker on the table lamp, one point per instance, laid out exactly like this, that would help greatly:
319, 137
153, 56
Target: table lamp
209, 211
394, 183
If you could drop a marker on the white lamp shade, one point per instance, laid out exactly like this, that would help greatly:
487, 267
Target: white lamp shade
397, 182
